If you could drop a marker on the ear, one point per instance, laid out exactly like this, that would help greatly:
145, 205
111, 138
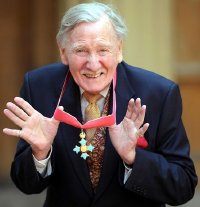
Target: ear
120, 56
63, 55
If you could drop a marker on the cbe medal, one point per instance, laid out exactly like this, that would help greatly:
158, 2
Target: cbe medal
83, 148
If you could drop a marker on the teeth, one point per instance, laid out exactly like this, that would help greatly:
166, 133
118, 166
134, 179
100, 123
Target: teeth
92, 75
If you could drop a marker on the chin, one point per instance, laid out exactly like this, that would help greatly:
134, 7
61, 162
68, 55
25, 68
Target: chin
93, 90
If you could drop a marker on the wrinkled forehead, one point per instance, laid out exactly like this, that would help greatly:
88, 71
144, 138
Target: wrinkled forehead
93, 31
101, 25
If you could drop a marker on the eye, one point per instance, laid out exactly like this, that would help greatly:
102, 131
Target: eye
81, 52
103, 51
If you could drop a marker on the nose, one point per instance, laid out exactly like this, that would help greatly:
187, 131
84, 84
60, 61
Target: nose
93, 62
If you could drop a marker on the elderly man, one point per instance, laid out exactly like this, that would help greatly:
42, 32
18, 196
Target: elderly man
100, 147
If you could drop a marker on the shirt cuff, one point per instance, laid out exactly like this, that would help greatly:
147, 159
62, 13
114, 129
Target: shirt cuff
127, 172
43, 166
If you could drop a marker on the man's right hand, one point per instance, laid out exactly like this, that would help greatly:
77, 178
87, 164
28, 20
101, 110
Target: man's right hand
36, 129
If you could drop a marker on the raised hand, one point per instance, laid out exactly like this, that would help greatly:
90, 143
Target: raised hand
124, 135
37, 130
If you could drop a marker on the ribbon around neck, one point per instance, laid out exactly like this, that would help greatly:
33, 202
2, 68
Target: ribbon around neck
67, 118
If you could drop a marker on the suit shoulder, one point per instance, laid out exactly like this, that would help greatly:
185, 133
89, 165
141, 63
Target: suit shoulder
51, 70
45, 77
145, 77
48, 75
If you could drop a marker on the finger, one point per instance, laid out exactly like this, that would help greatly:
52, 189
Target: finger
130, 108
24, 105
17, 111
112, 126
13, 132
55, 120
16, 120
143, 129
136, 109
140, 118
61, 108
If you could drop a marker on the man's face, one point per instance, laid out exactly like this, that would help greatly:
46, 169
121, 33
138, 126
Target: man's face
92, 52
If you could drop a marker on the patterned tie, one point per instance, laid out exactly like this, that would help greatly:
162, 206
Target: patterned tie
94, 161
91, 112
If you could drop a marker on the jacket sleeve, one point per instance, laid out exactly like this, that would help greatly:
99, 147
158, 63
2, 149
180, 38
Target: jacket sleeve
166, 173
23, 170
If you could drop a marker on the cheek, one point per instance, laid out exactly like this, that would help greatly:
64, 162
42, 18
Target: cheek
75, 67
111, 64
76, 63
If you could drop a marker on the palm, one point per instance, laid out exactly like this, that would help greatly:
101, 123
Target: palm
122, 130
37, 130
124, 135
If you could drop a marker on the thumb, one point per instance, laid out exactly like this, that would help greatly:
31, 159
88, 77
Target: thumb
55, 120
61, 108
112, 126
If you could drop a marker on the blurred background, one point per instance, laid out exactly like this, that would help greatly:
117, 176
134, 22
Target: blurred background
163, 36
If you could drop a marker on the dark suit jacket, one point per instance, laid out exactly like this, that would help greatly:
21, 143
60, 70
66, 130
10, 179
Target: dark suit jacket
162, 173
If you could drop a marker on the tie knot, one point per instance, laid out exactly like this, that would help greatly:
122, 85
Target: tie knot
92, 98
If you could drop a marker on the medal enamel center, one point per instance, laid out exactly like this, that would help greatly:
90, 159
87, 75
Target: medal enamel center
83, 148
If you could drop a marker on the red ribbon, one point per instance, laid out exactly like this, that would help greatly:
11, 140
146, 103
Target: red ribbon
105, 121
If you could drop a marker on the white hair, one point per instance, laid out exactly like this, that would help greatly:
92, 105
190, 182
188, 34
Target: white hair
90, 12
